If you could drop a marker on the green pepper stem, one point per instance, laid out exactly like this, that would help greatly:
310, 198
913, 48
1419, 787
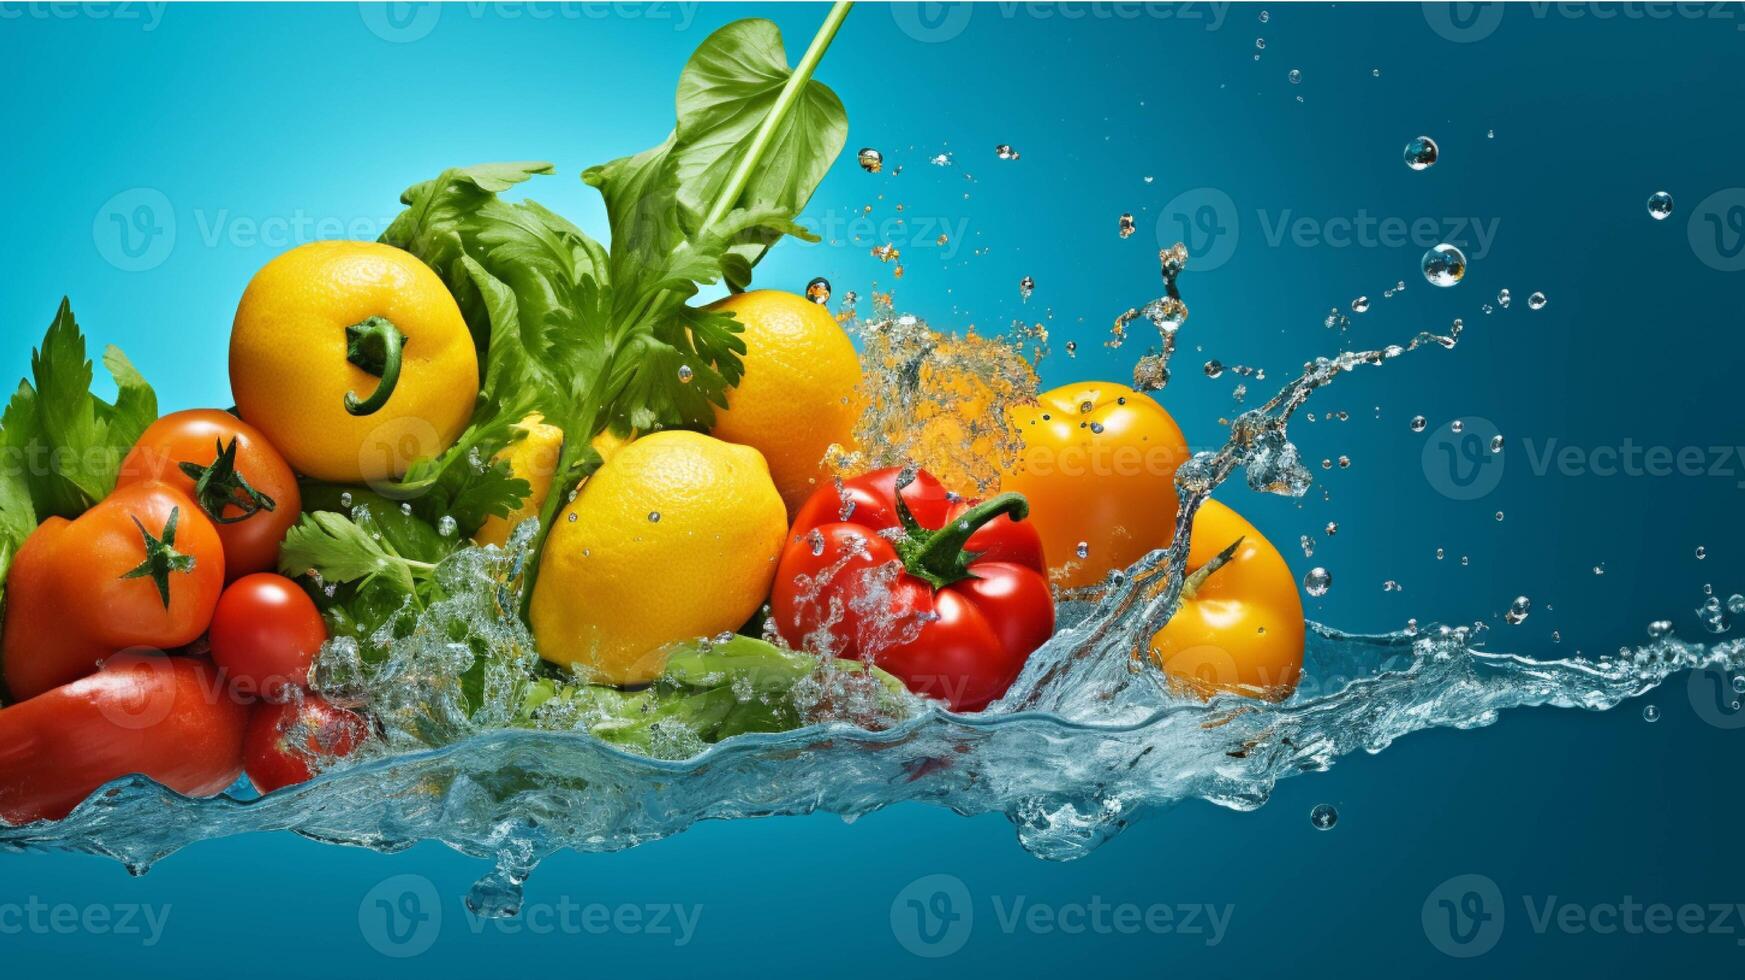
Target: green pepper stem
374, 346
937, 557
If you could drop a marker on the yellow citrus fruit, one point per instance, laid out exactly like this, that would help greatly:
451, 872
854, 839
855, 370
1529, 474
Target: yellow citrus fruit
292, 366
533, 457
674, 538
798, 394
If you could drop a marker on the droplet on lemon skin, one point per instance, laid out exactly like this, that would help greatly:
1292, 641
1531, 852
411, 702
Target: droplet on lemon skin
533, 457
799, 394
617, 588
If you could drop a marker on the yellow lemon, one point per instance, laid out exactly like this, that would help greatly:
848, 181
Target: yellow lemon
533, 457
798, 395
353, 359
674, 538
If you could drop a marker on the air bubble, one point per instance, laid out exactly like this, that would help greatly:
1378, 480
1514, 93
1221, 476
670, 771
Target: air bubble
871, 160
1660, 205
1324, 816
1317, 581
1421, 153
1444, 265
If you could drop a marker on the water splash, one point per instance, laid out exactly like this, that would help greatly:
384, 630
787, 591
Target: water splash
1088, 740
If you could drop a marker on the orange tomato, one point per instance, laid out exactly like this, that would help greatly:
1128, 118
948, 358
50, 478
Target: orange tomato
1098, 468
141, 569
251, 494
1239, 629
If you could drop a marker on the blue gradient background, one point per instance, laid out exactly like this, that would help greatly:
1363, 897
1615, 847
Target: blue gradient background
255, 124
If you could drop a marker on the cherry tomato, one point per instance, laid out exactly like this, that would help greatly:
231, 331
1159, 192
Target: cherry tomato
241, 482
141, 569
1098, 468
1240, 625
271, 756
168, 718
265, 635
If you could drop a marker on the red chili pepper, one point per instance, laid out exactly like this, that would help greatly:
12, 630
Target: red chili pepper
949, 595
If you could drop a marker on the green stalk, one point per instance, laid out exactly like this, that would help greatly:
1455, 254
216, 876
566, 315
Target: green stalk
790, 93
592, 417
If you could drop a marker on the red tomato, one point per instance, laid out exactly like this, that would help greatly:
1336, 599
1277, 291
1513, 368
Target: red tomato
270, 753
141, 569
169, 718
239, 480
265, 635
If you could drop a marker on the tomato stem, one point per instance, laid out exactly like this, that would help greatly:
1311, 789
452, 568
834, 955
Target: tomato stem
374, 346
161, 557
1198, 576
219, 485
938, 557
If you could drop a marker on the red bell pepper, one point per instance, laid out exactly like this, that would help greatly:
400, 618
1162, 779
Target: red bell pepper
949, 595
170, 718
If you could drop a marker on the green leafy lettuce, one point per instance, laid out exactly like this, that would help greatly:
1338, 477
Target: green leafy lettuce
593, 338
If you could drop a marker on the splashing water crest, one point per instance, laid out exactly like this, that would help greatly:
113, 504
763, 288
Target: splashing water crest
1089, 738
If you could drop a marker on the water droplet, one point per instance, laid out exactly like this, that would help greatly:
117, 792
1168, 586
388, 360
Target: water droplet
1345, 462
1444, 265
406, 509
446, 526
1260, 44
654, 517
1497, 443
1418, 423
1504, 298
1375, 73
815, 540
1499, 515
1360, 304
1083, 550
1214, 368
1518, 611
1331, 529
818, 290
1127, 227
345, 499
1659, 629
1536, 301
1026, 286
1264, 16
1651, 714
1323, 816
686, 374
1739, 684
1296, 76
1457, 426
1317, 581
1600, 569
1421, 153
1736, 604
1660, 205
1701, 552
1005, 152
1096, 428
871, 160
570, 517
